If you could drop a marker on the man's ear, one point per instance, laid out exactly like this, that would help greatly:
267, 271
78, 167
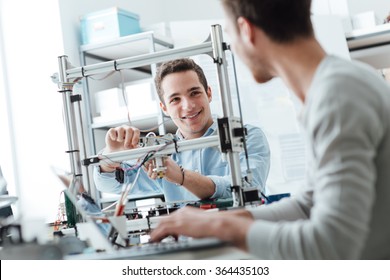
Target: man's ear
209, 94
246, 30
164, 109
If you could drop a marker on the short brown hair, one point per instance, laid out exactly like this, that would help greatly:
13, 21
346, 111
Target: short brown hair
175, 66
282, 20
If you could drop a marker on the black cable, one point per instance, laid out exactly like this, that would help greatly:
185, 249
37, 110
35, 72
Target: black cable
176, 147
265, 197
240, 111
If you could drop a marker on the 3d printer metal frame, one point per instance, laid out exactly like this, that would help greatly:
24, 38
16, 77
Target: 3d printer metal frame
214, 46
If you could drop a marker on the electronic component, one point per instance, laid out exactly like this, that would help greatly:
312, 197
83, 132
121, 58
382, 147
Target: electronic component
158, 160
159, 167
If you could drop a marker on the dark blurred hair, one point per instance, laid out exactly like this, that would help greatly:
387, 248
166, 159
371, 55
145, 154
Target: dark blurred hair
175, 66
282, 20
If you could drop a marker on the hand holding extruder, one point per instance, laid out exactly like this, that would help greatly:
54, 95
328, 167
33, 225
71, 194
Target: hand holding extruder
172, 171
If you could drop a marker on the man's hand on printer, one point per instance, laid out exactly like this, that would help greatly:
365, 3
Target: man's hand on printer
127, 137
118, 139
172, 171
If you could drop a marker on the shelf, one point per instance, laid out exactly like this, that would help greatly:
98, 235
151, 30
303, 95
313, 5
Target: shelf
368, 37
371, 45
142, 122
128, 46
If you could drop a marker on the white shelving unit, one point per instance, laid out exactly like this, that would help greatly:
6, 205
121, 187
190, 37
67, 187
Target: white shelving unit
371, 45
126, 46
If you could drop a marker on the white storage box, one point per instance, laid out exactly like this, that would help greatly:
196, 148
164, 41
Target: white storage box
365, 20
107, 25
141, 100
110, 103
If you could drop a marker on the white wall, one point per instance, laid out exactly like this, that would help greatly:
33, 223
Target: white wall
150, 11
351, 7
380, 7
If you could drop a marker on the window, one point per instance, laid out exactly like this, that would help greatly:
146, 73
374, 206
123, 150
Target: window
33, 136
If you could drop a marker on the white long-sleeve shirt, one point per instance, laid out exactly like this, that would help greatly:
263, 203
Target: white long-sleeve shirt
343, 211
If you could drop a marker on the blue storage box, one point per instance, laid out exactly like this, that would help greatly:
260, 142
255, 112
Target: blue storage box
107, 25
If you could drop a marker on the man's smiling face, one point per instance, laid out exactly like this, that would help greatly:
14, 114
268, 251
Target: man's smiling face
187, 102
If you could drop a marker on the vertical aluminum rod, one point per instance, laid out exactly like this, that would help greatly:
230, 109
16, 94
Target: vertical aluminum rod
227, 109
69, 117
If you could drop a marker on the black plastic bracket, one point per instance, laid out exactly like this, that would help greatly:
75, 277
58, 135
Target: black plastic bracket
89, 161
